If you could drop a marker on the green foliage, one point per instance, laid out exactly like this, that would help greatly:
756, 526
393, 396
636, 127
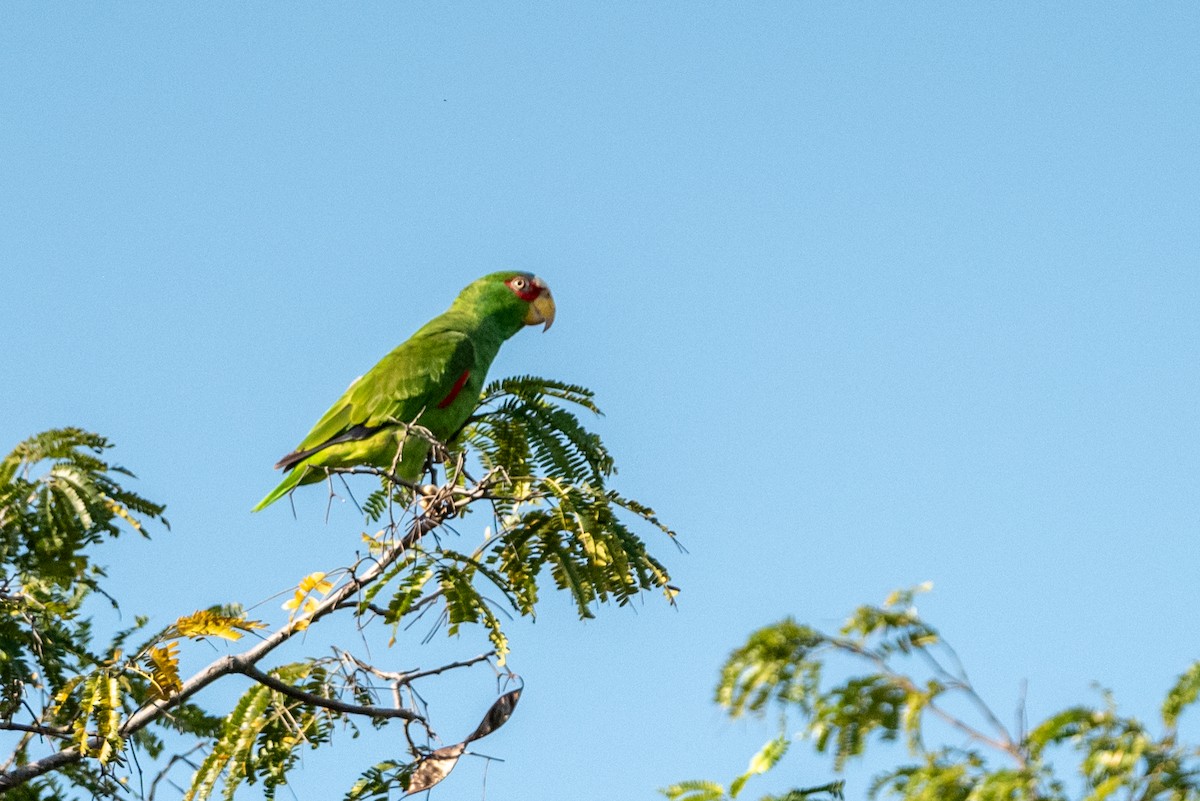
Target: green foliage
524, 457
58, 497
96, 721
554, 507
520, 429
379, 782
946, 775
847, 716
553, 512
912, 675
464, 602
772, 667
695, 790
1182, 695
766, 758
261, 739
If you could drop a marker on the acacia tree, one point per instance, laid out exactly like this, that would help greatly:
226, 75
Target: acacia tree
913, 688
86, 720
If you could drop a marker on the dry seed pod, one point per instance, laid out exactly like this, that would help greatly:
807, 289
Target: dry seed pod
497, 716
434, 767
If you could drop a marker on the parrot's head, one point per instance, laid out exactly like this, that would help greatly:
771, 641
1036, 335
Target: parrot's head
517, 297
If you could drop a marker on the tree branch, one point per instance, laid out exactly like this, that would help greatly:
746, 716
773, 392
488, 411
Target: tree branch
432, 517
328, 703
409, 678
48, 731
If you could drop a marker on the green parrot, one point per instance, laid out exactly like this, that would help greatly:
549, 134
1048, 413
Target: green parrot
433, 380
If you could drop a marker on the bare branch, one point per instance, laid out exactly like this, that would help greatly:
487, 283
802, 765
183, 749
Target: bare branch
401, 678
408, 678
378, 472
327, 703
972, 732
48, 731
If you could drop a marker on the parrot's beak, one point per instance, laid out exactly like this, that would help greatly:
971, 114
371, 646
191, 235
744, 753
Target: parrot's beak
541, 308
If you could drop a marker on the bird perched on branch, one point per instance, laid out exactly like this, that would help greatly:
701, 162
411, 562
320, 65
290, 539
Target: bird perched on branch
432, 380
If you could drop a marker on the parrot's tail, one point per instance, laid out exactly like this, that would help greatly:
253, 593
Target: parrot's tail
289, 483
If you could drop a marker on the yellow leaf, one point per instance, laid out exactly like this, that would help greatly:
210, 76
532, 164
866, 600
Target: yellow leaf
164, 670
123, 513
303, 601
293, 602
206, 623
315, 581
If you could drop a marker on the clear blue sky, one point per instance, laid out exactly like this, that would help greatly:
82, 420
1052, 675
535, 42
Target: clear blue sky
872, 294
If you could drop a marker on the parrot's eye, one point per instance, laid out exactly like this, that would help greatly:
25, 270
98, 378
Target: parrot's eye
524, 287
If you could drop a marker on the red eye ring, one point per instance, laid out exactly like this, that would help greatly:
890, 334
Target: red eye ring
524, 288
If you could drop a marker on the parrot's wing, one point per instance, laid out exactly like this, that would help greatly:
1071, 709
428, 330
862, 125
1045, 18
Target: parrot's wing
417, 375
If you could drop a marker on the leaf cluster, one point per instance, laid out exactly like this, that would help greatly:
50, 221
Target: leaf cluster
552, 512
261, 739
555, 509
893, 676
767, 758
58, 497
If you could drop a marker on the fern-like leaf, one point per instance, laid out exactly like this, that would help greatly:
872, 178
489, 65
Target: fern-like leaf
214, 622
164, 670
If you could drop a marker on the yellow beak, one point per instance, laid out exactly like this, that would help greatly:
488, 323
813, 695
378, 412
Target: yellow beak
541, 309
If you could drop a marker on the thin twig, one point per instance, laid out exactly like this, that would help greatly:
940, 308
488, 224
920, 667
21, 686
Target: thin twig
908, 686
378, 472
408, 678
48, 731
162, 774
962, 683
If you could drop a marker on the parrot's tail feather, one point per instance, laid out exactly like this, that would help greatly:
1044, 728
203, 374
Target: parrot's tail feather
295, 457
290, 482
358, 432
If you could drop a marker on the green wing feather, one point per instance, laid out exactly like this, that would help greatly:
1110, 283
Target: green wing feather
409, 381
413, 377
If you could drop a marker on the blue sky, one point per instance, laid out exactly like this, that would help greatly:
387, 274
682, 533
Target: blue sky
871, 295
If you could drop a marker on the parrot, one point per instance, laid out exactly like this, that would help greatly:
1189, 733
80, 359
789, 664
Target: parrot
433, 379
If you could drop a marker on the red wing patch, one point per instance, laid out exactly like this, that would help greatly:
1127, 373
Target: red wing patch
457, 388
